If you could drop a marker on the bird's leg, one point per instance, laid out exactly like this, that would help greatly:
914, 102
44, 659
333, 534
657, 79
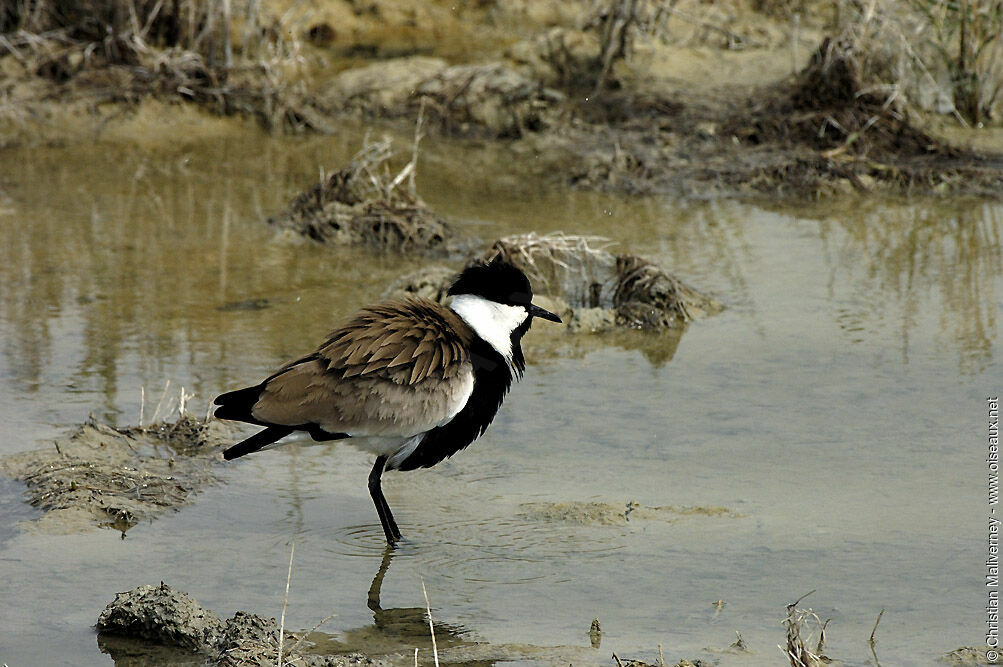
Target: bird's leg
390, 528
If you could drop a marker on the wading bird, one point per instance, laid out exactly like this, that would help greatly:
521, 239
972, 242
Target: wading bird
412, 381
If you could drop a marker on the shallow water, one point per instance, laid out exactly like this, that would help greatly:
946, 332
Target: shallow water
836, 408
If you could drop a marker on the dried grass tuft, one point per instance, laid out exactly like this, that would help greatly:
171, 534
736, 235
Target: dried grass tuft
929, 53
646, 297
366, 203
577, 268
801, 626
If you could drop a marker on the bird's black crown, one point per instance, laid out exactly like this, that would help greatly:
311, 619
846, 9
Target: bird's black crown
497, 280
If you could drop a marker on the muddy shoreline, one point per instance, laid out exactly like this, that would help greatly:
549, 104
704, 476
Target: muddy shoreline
544, 84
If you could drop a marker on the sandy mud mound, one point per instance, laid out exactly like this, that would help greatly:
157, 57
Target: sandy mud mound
364, 204
967, 656
490, 99
564, 58
592, 288
383, 89
165, 616
115, 477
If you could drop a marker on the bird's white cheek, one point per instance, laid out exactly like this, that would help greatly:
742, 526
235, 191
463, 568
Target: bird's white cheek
494, 322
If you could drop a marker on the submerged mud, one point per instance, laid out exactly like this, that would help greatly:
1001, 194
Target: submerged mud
609, 514
100, 475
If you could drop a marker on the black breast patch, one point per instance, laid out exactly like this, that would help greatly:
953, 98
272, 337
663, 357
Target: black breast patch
492, 379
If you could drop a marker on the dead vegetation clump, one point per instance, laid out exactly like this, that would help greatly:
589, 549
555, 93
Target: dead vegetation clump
364, 203
852, 131
828, 130
801, 626
828, 108
940, 55
221, 54
576, 268
848, 121
116, 477
646, 297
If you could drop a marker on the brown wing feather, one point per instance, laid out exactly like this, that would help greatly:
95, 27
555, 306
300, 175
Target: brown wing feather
396, 366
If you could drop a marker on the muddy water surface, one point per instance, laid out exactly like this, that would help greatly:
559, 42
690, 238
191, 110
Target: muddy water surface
829, 427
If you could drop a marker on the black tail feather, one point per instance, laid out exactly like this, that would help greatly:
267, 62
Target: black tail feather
257, 441
236, 405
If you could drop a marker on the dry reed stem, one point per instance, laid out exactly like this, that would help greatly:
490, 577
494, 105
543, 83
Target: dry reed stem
923, 48
431, 628
295, 647
871, 641
285, 601
795, 622
156, 413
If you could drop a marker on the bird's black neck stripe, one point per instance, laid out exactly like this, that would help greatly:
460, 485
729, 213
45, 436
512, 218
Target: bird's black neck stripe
518, 360
492, 379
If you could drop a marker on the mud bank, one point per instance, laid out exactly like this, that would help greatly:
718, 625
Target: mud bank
164, 616
111, 477
148, 619
593, 114
817, 133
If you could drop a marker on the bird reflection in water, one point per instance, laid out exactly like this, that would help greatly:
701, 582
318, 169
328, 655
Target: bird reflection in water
394, 630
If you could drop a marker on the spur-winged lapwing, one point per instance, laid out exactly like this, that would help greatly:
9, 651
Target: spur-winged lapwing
412, 381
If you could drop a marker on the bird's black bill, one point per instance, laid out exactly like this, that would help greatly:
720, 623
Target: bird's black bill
536, 311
